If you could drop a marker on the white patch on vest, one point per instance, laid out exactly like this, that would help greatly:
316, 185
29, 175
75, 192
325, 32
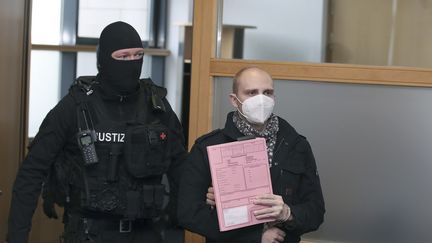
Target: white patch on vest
110, 137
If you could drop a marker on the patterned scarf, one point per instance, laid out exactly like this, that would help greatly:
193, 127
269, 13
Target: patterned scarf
269, 132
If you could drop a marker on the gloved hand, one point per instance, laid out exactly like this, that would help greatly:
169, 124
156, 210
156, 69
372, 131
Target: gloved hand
49, 208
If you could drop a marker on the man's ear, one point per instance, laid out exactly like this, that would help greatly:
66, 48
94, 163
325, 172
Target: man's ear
233, 100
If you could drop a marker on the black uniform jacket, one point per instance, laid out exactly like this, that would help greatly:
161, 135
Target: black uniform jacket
295, 178
57, 133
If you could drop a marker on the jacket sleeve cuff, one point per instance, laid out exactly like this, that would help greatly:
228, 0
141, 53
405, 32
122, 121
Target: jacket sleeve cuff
293, 223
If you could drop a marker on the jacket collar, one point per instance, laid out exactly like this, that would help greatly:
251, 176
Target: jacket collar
230, 130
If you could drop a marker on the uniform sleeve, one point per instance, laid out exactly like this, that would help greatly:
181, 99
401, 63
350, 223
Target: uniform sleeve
309, 213
52, 136
177, 157
193, 212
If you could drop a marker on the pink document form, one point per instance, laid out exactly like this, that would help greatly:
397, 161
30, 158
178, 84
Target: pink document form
240, 171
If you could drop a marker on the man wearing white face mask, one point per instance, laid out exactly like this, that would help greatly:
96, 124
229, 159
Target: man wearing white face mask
297, 205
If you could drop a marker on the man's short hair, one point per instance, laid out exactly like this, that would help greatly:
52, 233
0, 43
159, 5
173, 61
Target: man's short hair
238, 75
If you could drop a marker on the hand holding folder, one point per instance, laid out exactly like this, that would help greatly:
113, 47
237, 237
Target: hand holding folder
240, 173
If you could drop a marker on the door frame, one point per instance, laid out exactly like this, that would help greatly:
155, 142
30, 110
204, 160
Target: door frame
14, 72
205, 67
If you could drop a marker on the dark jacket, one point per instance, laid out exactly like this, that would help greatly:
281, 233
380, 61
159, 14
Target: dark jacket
57, 134
295, 178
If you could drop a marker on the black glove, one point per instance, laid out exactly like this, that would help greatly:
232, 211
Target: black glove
49, 208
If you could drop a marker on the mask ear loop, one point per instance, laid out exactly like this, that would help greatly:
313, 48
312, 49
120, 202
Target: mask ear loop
241, 113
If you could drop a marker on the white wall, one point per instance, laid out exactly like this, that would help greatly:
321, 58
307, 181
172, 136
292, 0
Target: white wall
179, 13
45, 65
41, 22
44, 87
95, 15
288, 30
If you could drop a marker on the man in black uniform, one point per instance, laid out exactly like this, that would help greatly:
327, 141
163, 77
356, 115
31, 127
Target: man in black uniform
104, 148
297, 205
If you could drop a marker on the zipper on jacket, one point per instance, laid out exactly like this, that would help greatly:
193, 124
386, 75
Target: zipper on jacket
280, 169
278, 147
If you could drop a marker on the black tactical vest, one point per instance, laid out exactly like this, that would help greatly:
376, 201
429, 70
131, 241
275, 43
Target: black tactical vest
133, 154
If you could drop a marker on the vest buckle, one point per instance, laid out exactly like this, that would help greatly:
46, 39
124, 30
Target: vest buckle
125, 226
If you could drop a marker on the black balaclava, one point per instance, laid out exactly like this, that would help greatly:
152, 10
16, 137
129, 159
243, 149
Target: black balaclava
118, 76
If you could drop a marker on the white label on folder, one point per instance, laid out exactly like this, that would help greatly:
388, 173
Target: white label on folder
234, 216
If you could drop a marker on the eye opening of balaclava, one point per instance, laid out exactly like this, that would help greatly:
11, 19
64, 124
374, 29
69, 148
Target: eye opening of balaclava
119, 76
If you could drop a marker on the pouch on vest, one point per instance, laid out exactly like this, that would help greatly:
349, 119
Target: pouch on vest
152, 200
102, 197
146, 149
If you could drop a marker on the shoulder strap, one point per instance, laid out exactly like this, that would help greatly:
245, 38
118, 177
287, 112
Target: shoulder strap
158, 90
85, 84
81, 88
156, 94
150, 102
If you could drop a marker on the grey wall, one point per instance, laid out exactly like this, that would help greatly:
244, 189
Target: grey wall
373, 147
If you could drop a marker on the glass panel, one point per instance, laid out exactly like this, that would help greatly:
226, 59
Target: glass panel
274, 30
390, 32
147, 67
41, 22
370, 32
95, 15
86, 65
44, 87
372, 147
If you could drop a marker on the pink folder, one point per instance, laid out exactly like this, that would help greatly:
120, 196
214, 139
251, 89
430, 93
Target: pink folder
240, 171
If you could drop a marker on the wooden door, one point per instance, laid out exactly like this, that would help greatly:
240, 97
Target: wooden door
387, 32
358, 35
14, 71
13, 74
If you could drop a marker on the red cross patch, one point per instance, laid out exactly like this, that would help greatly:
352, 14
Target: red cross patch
162, 136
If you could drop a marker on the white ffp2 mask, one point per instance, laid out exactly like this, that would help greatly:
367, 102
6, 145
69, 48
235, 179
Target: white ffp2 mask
257, 109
